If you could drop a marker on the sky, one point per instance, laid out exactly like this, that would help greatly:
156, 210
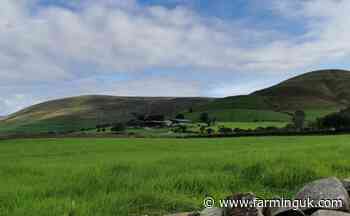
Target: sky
212, 48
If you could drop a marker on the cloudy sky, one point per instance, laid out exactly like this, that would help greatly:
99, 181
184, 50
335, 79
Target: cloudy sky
57, 48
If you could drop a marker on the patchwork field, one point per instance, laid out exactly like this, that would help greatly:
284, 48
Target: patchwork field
242, 115
91, 177
250, 125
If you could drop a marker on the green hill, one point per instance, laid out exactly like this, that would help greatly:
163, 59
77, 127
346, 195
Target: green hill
317, 93
88, 111
239, 109
318, 89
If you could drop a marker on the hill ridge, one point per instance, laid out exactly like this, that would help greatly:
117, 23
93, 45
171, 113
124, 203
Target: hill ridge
324, 89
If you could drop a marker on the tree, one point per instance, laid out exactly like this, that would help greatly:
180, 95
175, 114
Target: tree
138, 116
299, 120
225, 130
98, 128
210, 131
155, 118
202, 129
118, 127
336, 120
204, 117
183, 128
180, 116
180, 129
213, 120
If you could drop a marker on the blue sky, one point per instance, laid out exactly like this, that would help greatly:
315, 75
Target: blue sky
58, 48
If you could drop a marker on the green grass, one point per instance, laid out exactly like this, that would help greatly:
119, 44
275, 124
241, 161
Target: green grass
151, 132
92, 177
87, 111
241, 125
312, 115
236, 102
242, 115
251, 125
44, 126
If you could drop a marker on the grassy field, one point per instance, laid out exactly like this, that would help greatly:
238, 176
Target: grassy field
241, 125
250, 125
195, 128
92, 177
87, 111
241, 115
312, 115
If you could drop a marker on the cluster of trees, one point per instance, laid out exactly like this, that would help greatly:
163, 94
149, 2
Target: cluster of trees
339, 121
102, 127
205, 118
115, 127
299, 120
298, 125
180, 116
335, 121
144, 117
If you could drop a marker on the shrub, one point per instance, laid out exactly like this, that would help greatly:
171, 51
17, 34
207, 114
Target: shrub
210, 131
336, 120
180, 116
224, 130
299, 119
204, 117
118, 127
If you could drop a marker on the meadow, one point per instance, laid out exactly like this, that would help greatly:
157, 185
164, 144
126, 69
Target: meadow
95, 177
242, 115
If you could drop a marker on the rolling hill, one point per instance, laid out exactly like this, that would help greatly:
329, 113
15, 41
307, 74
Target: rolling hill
318, 93
318, 89
87, 111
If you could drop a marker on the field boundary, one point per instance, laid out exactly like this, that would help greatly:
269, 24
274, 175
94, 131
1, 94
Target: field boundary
233, 135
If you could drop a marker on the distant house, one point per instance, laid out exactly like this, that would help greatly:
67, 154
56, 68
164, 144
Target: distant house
157, 121
149, 121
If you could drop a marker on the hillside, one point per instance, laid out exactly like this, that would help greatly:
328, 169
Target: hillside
318, 89
318, 93
88, 111
248, 108
326, 89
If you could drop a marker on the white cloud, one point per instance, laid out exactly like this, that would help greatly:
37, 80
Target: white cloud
14, 102
158, 87
118, 39
327, 30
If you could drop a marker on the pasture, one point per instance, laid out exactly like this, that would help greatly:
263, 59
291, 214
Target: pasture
102, 177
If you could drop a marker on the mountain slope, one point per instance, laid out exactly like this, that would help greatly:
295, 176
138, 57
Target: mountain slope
318, 89
88, 111
318, 93
249, 108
